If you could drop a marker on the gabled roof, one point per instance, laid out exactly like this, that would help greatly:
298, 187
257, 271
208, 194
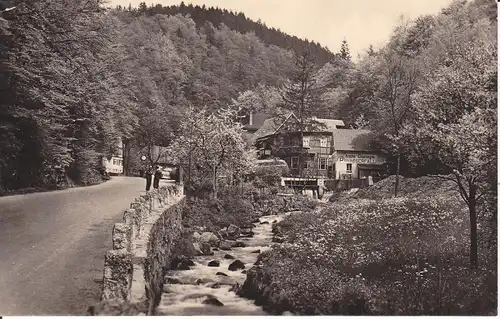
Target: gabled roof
330, 124
273, 125
352, 140
257, 121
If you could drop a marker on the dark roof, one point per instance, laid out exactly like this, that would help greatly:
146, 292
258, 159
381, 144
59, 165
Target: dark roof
270, 126
257, 121
352, 140
330, 124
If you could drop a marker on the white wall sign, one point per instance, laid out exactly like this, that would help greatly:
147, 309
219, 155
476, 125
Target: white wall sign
358, 158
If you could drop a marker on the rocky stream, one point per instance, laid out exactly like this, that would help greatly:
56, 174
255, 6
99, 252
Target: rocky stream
206, 284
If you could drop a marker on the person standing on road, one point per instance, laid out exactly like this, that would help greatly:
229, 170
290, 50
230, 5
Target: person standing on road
148, 176
158, 176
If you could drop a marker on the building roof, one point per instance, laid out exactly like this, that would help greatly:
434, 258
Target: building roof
257, 121
352, 140
330, 124
272, 125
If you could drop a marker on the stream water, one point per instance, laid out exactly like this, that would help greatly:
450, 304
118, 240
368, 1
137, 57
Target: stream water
186, 296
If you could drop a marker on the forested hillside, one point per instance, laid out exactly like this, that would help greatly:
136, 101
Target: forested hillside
238, 22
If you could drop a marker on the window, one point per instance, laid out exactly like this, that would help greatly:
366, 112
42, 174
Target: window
295, 162
305, 141
348, 168
323, 142
323, 163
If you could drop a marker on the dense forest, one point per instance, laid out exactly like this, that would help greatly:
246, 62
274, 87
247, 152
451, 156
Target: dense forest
238, 22
75, 76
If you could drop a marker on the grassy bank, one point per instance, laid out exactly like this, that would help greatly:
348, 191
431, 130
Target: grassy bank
402, 256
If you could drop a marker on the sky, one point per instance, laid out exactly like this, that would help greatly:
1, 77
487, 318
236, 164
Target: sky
328, 22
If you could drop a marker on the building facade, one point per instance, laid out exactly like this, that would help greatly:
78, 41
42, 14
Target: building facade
354, 157
326, 152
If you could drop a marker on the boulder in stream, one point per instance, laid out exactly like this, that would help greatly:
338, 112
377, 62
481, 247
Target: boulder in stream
225, 245
220, 274
203, 249
233, 231
214, 263
227, 256
239, 244
256, 251
236, 265
264, 222
181, 263
210, 238
196, 236
173, 281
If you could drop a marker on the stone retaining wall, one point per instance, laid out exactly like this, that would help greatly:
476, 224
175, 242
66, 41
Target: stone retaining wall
142, 248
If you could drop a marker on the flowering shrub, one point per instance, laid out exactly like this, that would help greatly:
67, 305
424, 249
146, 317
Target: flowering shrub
400, 256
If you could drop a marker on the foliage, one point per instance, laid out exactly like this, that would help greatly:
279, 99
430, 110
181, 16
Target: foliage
238, 22
399, 256
209, 146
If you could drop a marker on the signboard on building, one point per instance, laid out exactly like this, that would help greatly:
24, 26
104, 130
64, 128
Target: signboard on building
358, 158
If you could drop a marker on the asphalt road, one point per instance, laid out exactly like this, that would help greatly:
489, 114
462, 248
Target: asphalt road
52, 246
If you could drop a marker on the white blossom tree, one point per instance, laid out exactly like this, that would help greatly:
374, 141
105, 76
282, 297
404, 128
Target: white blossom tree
211, 145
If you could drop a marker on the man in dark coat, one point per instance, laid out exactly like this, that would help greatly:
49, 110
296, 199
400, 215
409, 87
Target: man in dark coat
148, 176
158, 176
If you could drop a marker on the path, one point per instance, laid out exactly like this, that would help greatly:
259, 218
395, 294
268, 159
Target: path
52, 246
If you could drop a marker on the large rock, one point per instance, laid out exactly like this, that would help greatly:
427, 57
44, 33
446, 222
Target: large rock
212, 300
226, 245
203, 249
173, 281
227, 256
214, 263
236, 265
210, 238
196, 237
181, 263
233, 231
197, 248
246, 229
239, 244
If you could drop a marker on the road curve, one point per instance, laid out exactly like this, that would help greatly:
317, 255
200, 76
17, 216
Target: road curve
52, 246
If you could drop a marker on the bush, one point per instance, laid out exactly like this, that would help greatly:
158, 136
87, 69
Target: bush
403, 256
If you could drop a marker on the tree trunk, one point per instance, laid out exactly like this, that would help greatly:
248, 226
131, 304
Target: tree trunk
398, 168
189, 169
473, 228
215, 183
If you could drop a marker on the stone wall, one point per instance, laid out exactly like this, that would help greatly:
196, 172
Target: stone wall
142, 249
